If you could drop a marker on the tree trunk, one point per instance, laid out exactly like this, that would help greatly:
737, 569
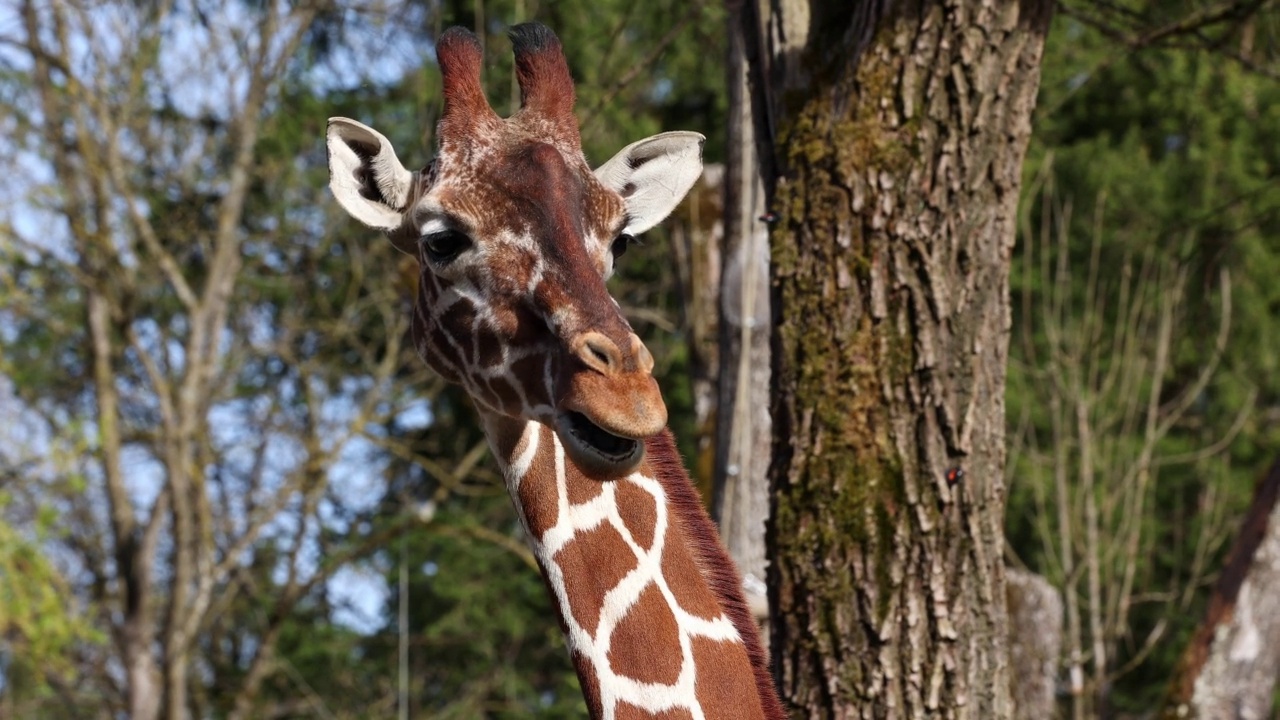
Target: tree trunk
744, 429
697, 236
898, 149
1035, 643
1230, 668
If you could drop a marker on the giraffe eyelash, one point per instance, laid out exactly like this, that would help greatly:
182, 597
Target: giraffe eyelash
445, 246
619, 245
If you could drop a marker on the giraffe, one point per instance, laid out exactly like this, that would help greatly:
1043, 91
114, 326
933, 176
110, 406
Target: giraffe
515, 237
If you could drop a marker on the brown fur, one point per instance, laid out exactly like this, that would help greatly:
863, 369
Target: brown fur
642, 515
588, 680
627, 711
693, 563
646, 640
587, 579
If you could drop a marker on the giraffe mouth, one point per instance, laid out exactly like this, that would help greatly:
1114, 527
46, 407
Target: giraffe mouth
604, 445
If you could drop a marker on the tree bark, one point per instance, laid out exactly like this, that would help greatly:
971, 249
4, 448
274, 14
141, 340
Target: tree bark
898, 149
744, 428
697, 237
1230, 668
1035, 643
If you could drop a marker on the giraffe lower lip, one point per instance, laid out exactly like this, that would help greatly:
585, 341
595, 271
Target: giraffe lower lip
601, 441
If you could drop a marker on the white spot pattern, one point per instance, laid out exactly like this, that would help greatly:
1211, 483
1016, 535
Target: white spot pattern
572, 519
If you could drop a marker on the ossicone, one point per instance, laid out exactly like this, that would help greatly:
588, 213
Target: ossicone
461, 58
546, 87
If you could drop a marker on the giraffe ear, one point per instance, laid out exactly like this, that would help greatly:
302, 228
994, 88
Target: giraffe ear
653, 175
365, 176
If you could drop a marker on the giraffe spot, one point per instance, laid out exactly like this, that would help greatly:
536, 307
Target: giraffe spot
508, 438
457, 320
684, 577
590, 684
505, 321
438, 341
489, 350
555, 294
505, 391
529, 371
538, 500
483, 390
592, 564
725, 683
639, 511
646, 643
627, 711
582, 488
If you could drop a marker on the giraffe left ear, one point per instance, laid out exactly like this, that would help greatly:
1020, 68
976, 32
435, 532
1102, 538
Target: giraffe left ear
653, 175
365, 175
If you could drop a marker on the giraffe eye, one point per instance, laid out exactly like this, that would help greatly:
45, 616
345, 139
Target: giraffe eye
620, 244
444, 246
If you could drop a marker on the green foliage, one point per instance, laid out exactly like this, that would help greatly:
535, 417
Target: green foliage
485, 640
40, 632
1157, 172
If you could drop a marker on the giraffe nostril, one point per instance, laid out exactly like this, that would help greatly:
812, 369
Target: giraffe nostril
600, 353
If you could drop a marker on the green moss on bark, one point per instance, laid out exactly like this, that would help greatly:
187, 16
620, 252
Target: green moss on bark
892, 304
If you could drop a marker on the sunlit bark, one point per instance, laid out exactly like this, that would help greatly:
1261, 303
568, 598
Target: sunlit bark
899, 134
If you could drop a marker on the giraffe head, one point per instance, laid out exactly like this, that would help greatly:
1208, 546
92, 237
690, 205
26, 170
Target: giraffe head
515, 236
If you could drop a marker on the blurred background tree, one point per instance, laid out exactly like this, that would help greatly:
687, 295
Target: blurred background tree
1144, 389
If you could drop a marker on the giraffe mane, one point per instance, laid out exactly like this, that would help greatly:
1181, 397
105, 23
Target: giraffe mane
715, 564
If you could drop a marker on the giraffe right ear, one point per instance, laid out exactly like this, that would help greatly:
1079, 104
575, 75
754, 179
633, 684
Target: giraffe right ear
365, 175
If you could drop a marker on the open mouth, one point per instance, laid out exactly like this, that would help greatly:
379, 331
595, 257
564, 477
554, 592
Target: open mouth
601, 442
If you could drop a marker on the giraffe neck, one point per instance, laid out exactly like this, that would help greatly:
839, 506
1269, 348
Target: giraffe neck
649, 601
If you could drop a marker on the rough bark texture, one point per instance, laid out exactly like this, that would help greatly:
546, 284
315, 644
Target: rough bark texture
744, 430
1230, 668
899, 142
1035, 643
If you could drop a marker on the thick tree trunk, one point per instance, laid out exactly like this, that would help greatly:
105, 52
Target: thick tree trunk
1230, 669
899, 144
744, 429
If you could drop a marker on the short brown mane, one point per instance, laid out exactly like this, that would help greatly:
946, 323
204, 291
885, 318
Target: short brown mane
717, 568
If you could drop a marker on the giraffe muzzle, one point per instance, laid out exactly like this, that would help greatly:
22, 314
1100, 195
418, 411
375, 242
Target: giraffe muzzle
595, 448
609, 403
